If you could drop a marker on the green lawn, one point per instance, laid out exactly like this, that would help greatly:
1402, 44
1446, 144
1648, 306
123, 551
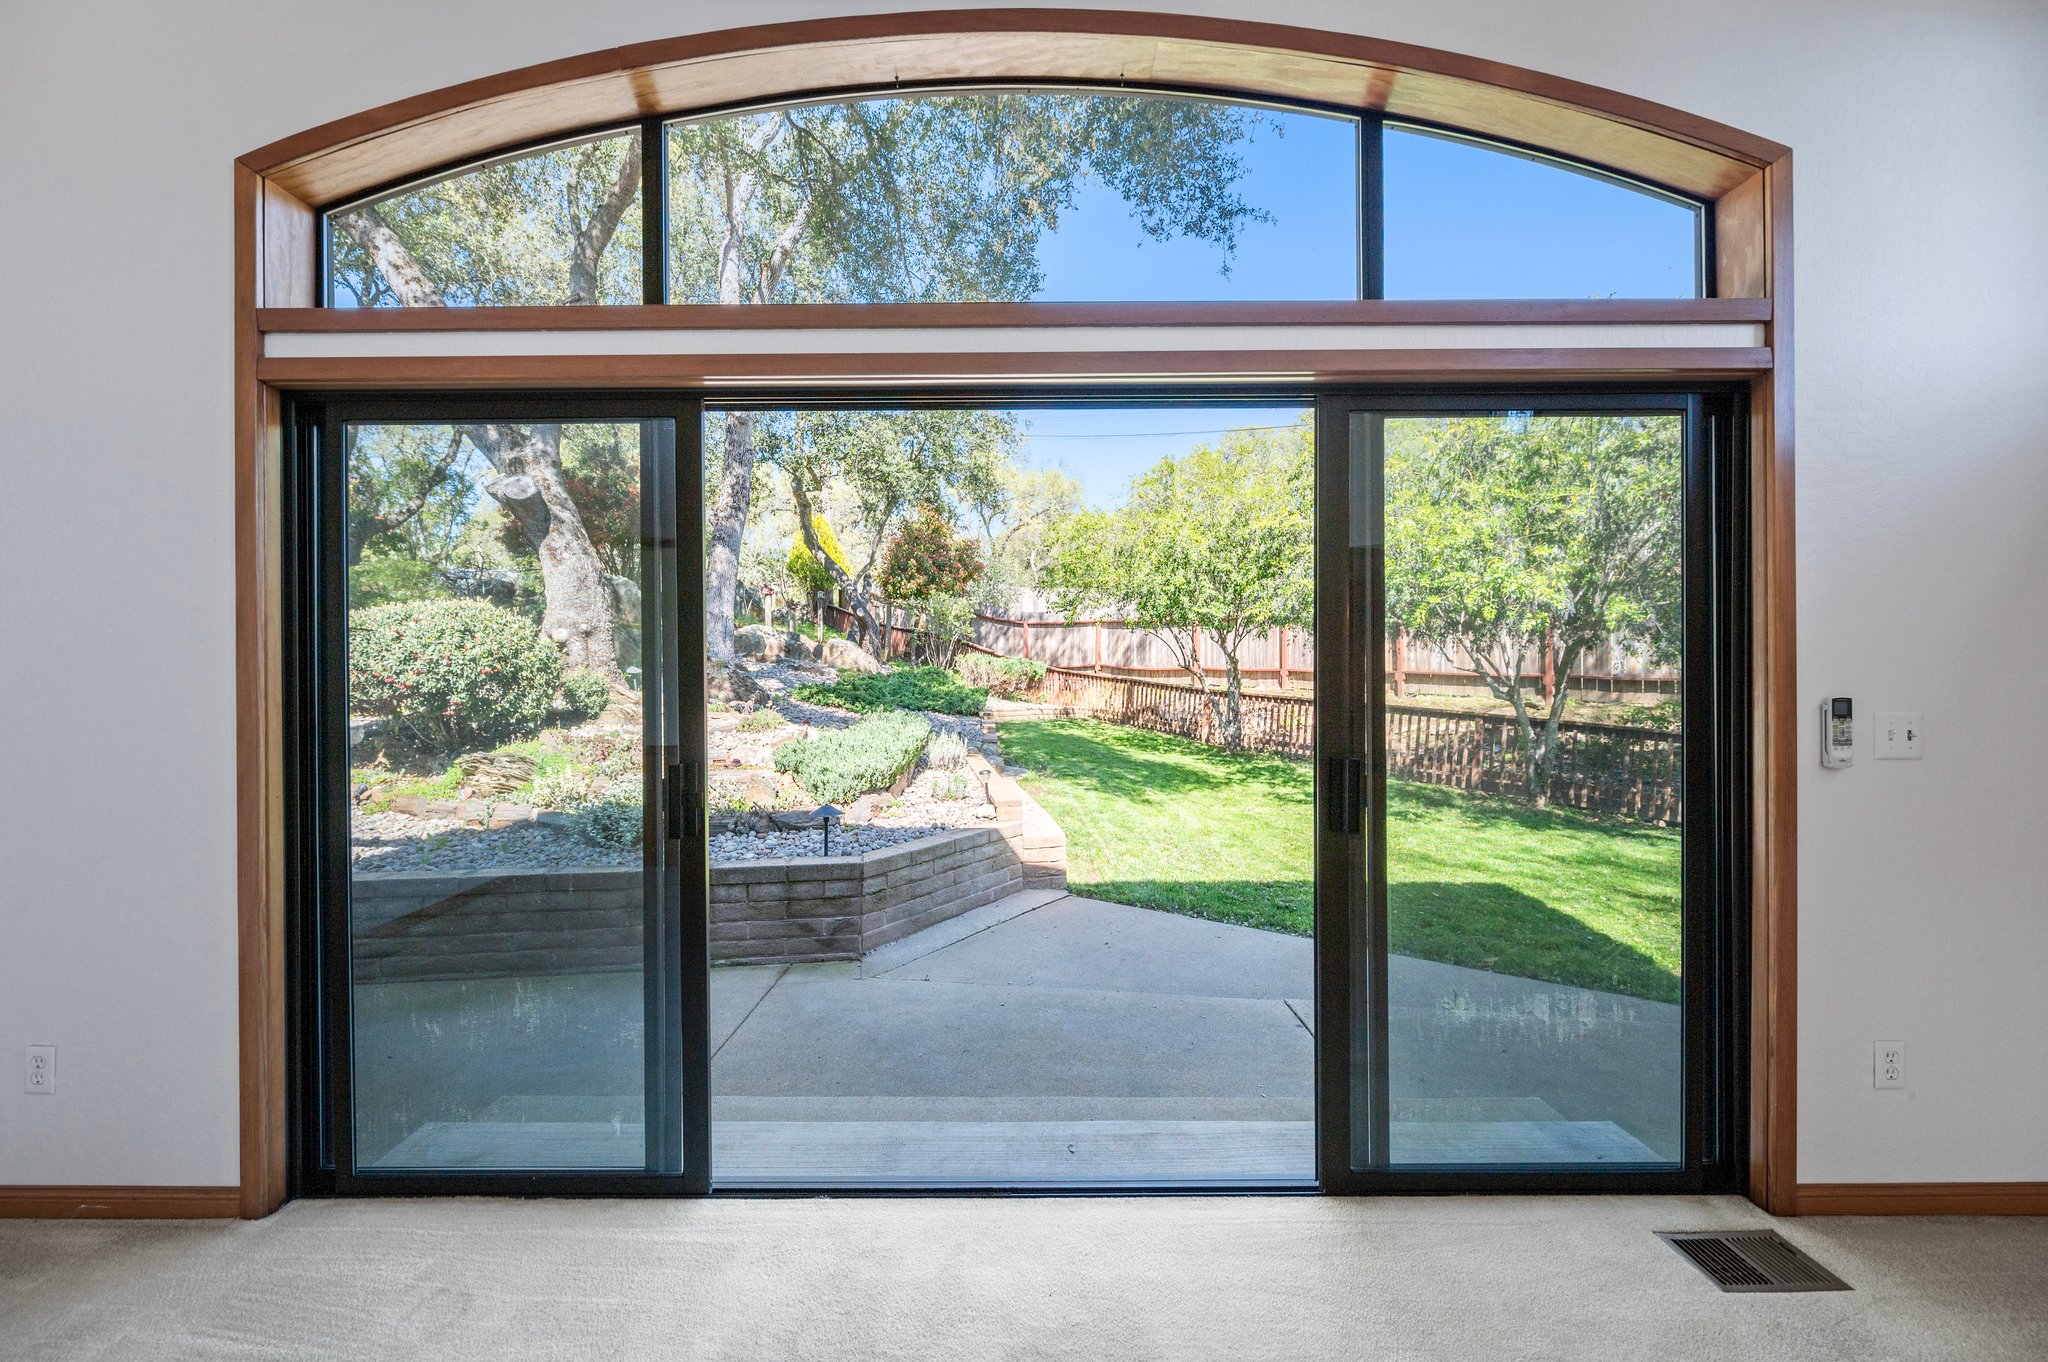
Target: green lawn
1544, 894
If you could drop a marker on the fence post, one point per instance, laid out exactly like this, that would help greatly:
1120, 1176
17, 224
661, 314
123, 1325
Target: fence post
1098, 647
1549, 663
1400, 660
1280, 653
1025, 625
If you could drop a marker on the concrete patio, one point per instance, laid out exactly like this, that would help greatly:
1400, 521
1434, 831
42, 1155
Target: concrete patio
1042, 1039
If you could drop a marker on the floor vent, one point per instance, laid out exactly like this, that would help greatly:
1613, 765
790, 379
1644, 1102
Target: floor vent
1751, 1260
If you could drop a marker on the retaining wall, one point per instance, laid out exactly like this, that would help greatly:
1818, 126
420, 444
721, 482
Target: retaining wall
425, 925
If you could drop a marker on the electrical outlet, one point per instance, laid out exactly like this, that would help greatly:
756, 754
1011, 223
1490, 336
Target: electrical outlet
42, 1069
1898, 735
1889, 1070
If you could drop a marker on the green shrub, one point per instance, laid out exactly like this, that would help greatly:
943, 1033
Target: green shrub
1009, 677
901, 688
945, 751
451, 675
614, 819
564, 789
761, 720
870, 755
585, 695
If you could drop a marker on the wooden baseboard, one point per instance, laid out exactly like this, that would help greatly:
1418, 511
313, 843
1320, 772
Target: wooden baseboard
1922, 1198
120, 1203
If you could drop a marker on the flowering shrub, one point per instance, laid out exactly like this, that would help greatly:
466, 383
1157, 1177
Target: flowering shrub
451, 675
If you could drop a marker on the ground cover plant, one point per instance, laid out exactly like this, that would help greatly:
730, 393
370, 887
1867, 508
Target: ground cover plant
927, 688
1009, 677
870, 755
1547, 894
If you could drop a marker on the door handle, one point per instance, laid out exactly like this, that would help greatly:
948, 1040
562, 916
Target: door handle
685, 800
1344, 778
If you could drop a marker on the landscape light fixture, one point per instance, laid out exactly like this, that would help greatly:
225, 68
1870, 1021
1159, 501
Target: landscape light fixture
825, 815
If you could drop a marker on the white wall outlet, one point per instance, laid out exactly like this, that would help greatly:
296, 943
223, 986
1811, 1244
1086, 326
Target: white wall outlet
1898, 735
1889, 1069
42, 1068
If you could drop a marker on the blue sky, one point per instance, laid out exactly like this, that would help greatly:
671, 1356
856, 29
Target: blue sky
1103, 448
1299, 168
1463, 221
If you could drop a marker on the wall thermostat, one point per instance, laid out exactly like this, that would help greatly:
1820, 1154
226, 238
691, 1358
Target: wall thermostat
1837, 732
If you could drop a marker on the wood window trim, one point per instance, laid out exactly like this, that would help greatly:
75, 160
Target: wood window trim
840, 316
1748, 179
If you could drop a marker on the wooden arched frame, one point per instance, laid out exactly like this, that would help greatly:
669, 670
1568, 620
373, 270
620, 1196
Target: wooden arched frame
1745, 178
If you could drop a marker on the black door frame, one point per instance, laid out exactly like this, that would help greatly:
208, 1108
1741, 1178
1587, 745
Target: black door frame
1715, 763
676, 1046
1351, 848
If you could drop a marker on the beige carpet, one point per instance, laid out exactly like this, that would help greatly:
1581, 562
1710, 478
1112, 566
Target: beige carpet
1308, 1278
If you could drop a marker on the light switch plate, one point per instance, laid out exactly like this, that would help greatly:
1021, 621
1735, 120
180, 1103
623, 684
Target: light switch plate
1898, 735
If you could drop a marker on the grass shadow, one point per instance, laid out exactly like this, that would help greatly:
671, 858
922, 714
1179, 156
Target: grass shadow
1500, 929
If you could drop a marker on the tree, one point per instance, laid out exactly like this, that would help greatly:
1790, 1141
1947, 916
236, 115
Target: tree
1016, 513
926, 558
927, 198
539, 229
408, 487
1509, 534
1217, 544
929, 569
888, 462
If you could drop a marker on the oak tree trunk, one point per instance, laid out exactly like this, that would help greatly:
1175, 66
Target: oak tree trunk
528, 459
578, 609
728, 524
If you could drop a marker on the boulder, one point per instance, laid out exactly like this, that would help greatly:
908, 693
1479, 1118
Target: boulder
848, 656
731, 682
758, 640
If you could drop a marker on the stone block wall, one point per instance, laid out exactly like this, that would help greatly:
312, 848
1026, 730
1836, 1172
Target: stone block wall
436, 926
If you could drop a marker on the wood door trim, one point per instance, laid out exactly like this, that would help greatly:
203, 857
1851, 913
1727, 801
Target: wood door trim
1774, 805
1078, 366
277, 186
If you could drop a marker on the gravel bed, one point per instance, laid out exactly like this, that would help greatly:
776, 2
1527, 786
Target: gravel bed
382, 843
391, 842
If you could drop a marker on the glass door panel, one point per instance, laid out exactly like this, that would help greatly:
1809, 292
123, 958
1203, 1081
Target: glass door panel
1519, 582
509, 967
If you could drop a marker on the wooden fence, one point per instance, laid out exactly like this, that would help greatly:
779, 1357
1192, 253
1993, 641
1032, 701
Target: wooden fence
1610, 769
1607, 769
1283, 724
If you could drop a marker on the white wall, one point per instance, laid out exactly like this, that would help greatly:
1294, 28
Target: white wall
1922, 136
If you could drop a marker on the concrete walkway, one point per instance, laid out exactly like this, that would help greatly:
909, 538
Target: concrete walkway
1045, 1039
1060, 1039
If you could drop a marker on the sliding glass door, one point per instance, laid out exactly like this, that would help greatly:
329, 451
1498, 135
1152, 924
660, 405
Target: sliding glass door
1187, 791
504, 953
1524, 941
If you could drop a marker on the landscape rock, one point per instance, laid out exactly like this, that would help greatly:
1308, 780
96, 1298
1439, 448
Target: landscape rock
758, 640
848, 656
489, 773
732, 683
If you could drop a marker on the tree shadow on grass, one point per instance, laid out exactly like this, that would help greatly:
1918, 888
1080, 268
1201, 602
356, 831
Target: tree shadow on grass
1494, 927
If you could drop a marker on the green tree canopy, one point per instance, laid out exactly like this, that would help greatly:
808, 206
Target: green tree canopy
1507, 531
1218, 544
